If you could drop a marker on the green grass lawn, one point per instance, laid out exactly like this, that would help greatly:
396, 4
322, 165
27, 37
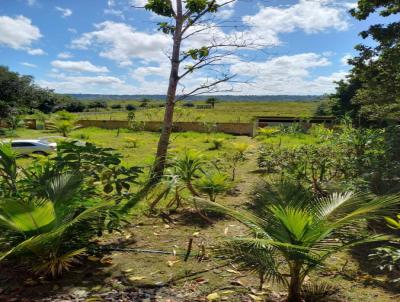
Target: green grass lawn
143, 154
223, 112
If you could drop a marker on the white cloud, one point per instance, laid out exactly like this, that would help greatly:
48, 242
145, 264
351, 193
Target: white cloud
88, 84
18, 33
345, 58
31, 2
65, 12
141, 73
139, 3
64, 55
36, 52
310, 16
122, 43
225, 14
28, 64
78, 66
286, 75
114, 12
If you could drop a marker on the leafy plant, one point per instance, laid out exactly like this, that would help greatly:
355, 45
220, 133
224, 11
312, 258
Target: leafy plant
131, 142
213, 184
41, 226
268, 131
8, 166
187, 168
217, 143
64, 127
297, 236
388, 256
238, 156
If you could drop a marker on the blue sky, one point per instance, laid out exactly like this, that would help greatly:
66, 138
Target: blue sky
109, 47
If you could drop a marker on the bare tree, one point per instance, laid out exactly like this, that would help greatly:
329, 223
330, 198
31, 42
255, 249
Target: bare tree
192, 22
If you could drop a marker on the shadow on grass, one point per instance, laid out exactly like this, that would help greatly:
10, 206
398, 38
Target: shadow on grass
374, 276
191, 217
19, 284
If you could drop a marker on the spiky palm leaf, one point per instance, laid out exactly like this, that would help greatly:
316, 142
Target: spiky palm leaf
45, 241
301, 232
56, 264
8, 165
63, 187
46, 223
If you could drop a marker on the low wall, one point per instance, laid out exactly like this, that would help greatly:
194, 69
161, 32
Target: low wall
230, 128
28, 123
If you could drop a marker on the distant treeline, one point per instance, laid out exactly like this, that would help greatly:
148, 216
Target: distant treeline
231, 98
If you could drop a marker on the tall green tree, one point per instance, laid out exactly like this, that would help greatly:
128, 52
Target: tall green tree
184, 20
212, 101
372, 91
18, 93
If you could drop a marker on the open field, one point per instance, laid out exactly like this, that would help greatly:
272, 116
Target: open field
223, 111
136, 276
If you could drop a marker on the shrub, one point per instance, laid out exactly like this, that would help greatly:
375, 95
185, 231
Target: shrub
64, 127
131, 142
97, 105
213, 184
130, 107
50, 210
116, 106
188, 105
217, 143
268, 132
238, 156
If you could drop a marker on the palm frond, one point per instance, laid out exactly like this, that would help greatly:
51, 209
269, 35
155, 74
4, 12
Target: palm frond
63, 187
27, 217
37, 244
253, 259
253, 222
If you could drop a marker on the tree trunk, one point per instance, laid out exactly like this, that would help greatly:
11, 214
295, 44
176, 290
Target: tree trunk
162, 148
295, 285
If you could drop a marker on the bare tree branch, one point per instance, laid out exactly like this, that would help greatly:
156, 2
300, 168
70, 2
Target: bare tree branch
205, 88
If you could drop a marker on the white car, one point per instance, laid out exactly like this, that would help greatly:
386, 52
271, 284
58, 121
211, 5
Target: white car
33, 146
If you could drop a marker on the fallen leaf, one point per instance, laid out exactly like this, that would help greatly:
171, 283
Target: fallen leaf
128, 270
106, 260
196, 234
136, 278
93, 258
255, 298
226, 231
237, 283
201, 280
171, 263
213, 297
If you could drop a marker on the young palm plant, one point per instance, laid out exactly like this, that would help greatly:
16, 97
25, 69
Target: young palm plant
187, 168
8, 167
40, 228
293, 235
213, 184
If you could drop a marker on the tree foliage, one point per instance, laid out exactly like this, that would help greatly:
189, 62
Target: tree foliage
372, 90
